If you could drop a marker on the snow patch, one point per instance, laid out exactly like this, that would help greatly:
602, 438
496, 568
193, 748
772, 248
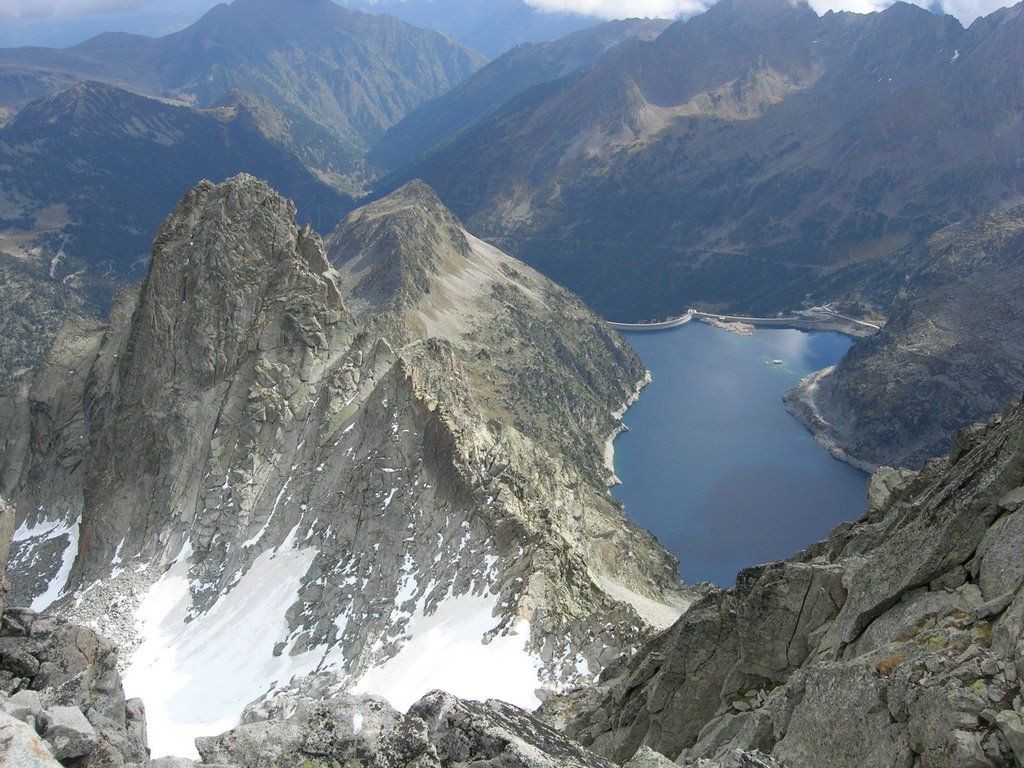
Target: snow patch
116, 560
259, 535
445, 650
196, 677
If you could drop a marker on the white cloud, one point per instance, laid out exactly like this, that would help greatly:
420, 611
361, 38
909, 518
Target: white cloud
54, 9
965, 10
968, 10
618, 9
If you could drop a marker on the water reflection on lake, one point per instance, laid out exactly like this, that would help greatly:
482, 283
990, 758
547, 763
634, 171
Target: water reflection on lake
713, 464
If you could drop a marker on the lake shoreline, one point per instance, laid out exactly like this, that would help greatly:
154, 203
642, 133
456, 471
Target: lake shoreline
715, 465
609, 446
801, 402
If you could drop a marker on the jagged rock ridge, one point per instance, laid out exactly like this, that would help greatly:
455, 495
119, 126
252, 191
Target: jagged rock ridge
337, 480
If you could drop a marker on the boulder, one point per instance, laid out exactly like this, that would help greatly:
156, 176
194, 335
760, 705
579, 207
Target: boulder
646, 757
69, 732
25, 706
72, 672
439, 730
1012, 729
323, 734
21, 747
496, 733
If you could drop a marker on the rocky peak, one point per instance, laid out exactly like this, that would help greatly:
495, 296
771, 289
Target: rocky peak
759, 9
275, 17
227, 265
389, 252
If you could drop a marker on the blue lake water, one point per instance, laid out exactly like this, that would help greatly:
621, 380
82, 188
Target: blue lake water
714, 465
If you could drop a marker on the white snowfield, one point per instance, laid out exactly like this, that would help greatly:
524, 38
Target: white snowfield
195, 678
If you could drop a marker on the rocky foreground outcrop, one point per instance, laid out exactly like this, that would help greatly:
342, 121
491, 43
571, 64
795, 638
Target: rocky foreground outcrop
352, 449
61, 698
437, 731
898, 641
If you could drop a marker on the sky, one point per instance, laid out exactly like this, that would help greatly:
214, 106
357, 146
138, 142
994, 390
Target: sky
65, 22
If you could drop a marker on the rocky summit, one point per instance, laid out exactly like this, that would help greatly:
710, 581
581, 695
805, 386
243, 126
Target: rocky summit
374, 467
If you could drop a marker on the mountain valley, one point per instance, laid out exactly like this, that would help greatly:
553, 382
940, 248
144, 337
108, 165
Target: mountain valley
308, 452
788, 161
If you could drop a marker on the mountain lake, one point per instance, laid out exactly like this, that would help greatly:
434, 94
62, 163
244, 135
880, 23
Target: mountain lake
714, 465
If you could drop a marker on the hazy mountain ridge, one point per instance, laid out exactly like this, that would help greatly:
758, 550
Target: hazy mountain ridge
353, 74
499, 81
490, 26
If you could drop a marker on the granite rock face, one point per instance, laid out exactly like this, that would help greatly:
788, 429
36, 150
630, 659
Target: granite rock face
7, 522
405, 420
897, 641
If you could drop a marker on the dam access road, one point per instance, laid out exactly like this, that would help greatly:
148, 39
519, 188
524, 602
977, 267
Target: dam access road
816, 319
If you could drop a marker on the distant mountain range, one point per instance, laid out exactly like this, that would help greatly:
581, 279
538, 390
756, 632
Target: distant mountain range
745, 155
345, 73
489, 26
522, 68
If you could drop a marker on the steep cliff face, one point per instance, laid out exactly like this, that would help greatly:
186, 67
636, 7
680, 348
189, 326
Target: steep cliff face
898, 641
267, 467
949, 355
